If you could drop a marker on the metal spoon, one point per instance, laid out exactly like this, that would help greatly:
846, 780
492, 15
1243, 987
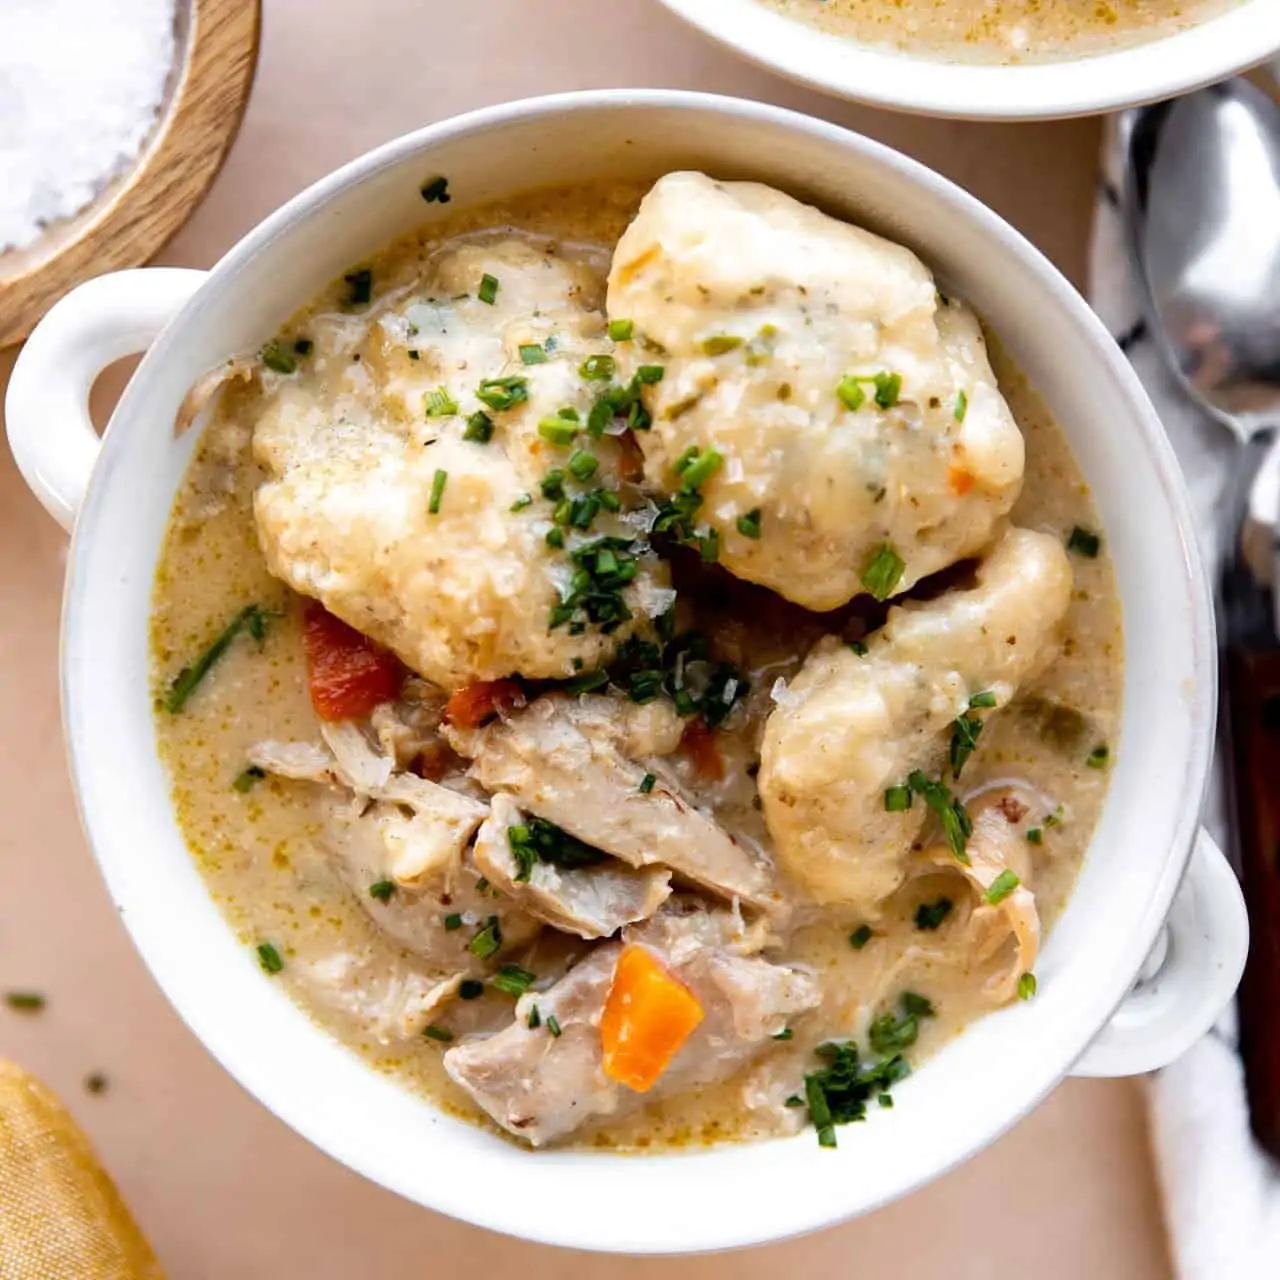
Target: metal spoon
1202, 201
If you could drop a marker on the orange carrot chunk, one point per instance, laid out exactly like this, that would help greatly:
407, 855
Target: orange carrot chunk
960, 479
647, 1018
348, 673
473, 704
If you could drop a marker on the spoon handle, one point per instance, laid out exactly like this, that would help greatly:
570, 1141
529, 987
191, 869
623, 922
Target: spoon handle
1253, 695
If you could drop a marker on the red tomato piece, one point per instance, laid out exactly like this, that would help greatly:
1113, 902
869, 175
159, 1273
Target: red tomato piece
473, 704
348, 673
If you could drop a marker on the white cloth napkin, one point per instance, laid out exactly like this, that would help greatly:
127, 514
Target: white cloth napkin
1221, 1193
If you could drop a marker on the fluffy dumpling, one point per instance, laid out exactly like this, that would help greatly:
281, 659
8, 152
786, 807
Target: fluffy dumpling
412, 497
853, 408
852, 725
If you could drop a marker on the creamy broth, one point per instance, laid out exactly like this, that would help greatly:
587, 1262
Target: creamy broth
1002, 30
262, 850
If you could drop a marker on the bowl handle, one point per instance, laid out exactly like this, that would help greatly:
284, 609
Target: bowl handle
47, 407
1187, 980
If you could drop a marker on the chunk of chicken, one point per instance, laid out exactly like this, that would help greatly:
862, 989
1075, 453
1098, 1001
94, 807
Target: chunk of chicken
434, 544
849, 727
558, 758
761, 307
542, 1087
591, 902
394, 829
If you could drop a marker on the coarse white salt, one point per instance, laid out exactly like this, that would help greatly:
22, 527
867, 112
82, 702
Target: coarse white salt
81, 85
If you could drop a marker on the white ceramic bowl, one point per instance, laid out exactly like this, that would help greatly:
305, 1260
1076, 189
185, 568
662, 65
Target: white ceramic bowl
120, 496
1168, 65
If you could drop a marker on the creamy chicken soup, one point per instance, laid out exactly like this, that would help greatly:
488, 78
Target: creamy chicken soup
1001, 30
638, 667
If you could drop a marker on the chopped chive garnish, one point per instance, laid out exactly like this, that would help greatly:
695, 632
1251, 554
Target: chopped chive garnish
524, 500
438, 482
696, 466
269, 958
955, 820
502, 393
555, 538
482, 885
453, 921
962, 406
303, 346
512, 980
359, 287
1026, 986
860, 937
851, 394
1002, 886
930, 915
1099, 756
1057, 817
488, 291
532, 353
883, 572
785, 1034
1035, 835
470, 989
535, 1018
897, 799
749, 525
1084, 542
432, 1032
888, 388
436, 191
647, 784
252, 618
986, 699
440, 404
858, 648
24, 1001
621, 330
553, 1025
795, 1100
487, 940
382, 890
479, 428
582, 465
558, 430
720, 344
649, 374
587, 682
277, 359
247, 777
598, 368
552, 485
413, 354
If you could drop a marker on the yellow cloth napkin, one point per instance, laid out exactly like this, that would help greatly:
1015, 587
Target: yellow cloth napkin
61, 1217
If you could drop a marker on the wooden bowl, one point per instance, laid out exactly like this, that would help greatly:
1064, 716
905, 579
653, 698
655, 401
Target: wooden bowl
136, 213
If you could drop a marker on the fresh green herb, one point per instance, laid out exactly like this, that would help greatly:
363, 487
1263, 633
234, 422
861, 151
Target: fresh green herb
1026, 986
897, 799
552, 486
487, 939
962, 406
269, 958
648, 375
683, 666
795, 1100
535, 1018
598, 368
453, 921
438, 482
247, 777
851, 394
277, 359
502, 393
583, 465
646, 784
785, 1034
621, 330
916, 1006
1084, 542
883, 572
553, 1025
252, 618
359, 287
602, 570
512, 980
893, 1032
696, 466
303, 347
1099, 756
479, 428
720, 344
524, 500
1002, 886
488, 291
532, 353
482, 885
588, 682
965, 730
440, 404
1057, 817
888, 387
956, 824
858, 648
558, 429
930, 915
838, 1093
860, 937
432, 1032
470, 989
555, 538
749, 525
436, 191
985, 700
885, 1100
537, 840
382, 890
1035, 835
24, 1001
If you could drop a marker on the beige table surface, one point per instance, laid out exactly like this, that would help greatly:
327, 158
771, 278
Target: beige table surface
223, 1189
